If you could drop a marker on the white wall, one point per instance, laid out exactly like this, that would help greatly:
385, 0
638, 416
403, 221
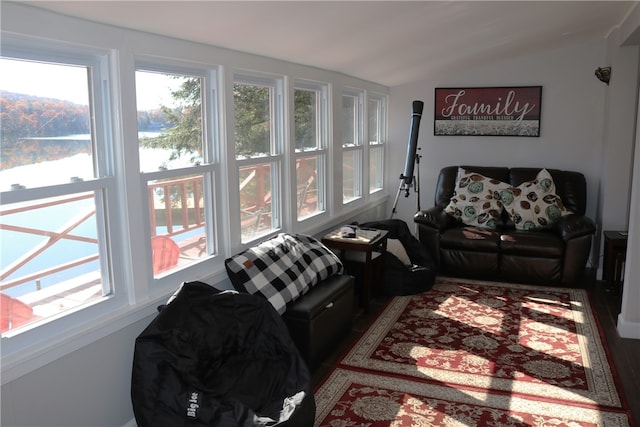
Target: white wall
629, 318
88, 387
617, 150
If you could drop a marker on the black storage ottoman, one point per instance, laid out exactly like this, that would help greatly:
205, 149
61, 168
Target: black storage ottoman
321, 319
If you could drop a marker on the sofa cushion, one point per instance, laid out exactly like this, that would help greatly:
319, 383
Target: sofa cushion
470, 239
534, 204
282, 268
468, 263
543, 244
476, 200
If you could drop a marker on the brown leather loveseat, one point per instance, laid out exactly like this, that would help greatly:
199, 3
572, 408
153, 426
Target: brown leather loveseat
555, 254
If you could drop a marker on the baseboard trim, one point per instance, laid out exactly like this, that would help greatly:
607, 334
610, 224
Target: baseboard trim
628, 329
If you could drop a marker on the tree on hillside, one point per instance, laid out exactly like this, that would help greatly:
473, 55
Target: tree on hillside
27, 122
305, 123
252, 109
184, 133
252, 113
24, 116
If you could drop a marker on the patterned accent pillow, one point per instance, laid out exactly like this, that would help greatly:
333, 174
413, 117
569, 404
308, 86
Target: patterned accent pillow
282, 268
534, 205
476, 200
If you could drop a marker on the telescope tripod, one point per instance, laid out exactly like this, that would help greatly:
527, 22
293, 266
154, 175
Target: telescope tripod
406, 187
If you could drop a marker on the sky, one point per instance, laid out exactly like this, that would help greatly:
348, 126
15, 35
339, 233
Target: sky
69, 83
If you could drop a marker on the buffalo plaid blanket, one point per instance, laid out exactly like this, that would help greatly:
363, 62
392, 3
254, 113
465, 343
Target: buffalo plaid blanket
282, 268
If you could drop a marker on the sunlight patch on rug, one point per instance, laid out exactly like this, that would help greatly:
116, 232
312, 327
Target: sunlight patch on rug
529, 341
350, 398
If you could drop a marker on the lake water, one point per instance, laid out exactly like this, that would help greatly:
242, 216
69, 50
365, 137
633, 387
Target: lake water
14, 245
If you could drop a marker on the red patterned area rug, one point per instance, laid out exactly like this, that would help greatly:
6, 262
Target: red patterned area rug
471, 353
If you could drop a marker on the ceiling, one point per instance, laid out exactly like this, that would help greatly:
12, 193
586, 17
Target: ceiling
387, 42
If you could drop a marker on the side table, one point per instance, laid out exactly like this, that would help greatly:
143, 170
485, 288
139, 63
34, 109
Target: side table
615, 249
364, 248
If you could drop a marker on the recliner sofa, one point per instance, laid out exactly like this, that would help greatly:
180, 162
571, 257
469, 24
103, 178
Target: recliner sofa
555, 254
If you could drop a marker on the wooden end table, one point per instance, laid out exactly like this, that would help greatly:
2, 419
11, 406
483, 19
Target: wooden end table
615, 249
366, 249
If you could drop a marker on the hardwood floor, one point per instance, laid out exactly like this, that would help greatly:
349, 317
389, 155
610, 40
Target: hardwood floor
624, 353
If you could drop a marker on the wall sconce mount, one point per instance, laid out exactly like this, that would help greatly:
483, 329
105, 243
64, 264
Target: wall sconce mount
603, 74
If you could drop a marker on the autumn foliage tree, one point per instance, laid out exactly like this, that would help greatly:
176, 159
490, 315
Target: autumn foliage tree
25, 118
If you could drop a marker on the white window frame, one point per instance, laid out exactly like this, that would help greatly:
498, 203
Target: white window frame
358, 148
380, 143
275, 158
321, 151
209, 169
49, 335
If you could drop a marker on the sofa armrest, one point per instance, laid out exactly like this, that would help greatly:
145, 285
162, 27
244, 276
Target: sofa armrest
431, 222
573, 226
434, 217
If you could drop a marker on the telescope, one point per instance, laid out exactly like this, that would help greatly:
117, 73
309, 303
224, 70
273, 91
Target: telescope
413, 158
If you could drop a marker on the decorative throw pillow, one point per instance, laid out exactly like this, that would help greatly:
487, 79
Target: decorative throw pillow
282, 268
534, 204
395, 247
476, 199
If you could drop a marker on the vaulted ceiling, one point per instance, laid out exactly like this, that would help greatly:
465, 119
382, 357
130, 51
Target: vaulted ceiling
387, 42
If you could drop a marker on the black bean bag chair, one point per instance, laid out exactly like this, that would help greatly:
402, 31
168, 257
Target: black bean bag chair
219, 358
411, 276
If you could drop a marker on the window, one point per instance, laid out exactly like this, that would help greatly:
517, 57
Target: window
377, 137
74, 197
258, 140
116, 148
56, 187
310, 121
352, 149
176, 166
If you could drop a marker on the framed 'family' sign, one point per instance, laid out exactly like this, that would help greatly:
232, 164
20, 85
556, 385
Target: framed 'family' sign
491, 111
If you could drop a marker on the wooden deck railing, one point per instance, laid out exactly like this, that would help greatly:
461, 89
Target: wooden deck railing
181, 211
52, 237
